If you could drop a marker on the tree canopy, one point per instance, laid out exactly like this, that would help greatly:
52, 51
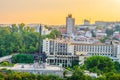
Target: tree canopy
53, 34
22, 39
109, 32
22, 58
16, 39
10, 75
99, 64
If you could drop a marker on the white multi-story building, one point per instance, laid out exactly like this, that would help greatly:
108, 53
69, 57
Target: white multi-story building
94, 49
59, 52
64, 52
70, 22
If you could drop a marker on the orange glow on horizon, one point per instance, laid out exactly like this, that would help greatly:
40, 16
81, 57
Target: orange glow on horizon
55, 11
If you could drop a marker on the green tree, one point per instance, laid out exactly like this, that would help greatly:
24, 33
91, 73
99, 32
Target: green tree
75, 63
21, 27
54, 34
99, 64
112, 76
109, 32
79, 75
117, 66
104, 39
22, 58
93, 34
14, 28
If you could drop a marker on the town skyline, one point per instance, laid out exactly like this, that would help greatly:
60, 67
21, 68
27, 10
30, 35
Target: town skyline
55, 11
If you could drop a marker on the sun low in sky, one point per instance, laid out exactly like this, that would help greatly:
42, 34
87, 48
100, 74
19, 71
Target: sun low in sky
55, 11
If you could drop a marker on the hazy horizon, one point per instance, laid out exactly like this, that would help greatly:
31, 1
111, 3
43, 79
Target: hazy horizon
55, 11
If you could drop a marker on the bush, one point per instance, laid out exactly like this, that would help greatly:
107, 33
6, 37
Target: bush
5, 63
23, 58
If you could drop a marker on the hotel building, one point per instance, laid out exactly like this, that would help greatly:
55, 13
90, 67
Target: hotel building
65, 51
59, 52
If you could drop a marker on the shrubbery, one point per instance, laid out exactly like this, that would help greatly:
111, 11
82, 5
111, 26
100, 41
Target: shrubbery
5, 64
23, 58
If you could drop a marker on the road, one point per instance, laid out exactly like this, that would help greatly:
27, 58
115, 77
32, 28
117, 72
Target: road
6, 57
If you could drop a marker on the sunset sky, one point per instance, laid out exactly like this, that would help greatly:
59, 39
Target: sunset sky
55, 11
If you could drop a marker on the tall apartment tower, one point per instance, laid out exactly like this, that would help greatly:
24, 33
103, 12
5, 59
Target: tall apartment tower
70, 22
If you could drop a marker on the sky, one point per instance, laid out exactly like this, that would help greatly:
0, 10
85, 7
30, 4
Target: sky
55, 11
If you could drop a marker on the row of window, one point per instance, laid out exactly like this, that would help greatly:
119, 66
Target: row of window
93, 49
104, 54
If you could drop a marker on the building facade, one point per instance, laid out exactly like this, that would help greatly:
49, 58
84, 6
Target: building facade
64, 52
59, 52
94, 49
70, 22
116, 52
